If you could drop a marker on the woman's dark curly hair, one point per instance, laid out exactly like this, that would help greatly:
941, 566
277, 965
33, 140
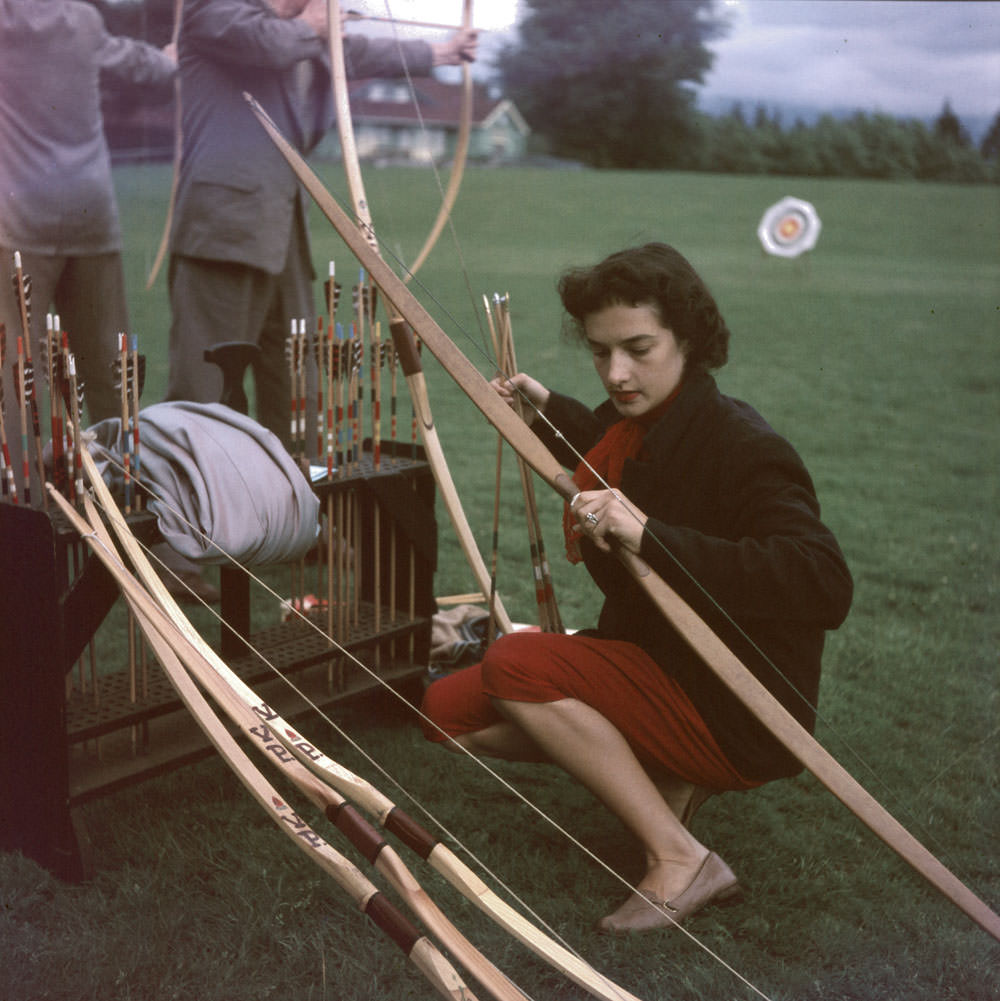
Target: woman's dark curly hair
658, 276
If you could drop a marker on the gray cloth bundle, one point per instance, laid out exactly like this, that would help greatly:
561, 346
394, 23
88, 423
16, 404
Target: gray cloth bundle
221, 483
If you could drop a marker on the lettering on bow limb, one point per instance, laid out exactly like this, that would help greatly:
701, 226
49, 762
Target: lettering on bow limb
299, 827
303, 747
265, 712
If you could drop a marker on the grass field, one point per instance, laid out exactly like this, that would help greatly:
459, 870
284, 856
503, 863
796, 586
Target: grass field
878, 356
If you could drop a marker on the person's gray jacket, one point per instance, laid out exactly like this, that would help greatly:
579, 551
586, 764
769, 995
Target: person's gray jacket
237, 198
56, 194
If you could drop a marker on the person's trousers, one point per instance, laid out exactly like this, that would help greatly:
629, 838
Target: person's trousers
217, 301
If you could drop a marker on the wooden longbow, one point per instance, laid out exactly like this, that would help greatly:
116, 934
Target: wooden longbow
717, 656
166, 638
458, 161
375, 849
387, 814
401, 334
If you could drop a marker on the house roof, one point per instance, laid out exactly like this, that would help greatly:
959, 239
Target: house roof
390, 101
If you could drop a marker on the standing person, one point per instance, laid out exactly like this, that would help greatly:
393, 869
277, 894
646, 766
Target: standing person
240, 266
700, 487
57, 203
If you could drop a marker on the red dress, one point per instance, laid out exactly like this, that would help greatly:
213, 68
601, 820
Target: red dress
618, 679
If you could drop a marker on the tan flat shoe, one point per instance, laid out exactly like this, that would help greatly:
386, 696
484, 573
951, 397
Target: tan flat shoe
713, 883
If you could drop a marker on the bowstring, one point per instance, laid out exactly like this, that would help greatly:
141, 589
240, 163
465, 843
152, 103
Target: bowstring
844, 742
662, 546
407, 274
410, 276
506, 784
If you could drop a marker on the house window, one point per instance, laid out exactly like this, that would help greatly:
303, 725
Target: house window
388, 92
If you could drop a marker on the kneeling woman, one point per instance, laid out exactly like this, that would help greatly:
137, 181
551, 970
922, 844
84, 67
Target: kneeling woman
707, 493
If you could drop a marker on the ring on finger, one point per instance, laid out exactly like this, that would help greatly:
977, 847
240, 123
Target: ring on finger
592, 518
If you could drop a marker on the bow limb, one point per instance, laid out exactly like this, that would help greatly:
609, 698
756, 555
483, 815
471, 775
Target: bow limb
230, 690
166, 639
359, 832
401, 334
734, 674
161, 250
166, 627
458, 162
345, 126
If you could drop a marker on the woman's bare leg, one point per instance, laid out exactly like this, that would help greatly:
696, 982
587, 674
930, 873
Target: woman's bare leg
585, 744
500, 740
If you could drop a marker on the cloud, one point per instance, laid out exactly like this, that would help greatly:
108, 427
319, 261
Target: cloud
897, 57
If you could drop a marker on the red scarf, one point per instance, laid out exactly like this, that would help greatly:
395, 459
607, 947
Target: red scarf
603, 464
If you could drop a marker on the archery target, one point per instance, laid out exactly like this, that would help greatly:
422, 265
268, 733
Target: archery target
789, 228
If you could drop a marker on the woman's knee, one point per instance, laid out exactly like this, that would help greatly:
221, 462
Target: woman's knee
432, 704
456, 704
436, 710
506, 658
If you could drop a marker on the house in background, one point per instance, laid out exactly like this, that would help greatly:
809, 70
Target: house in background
389, 127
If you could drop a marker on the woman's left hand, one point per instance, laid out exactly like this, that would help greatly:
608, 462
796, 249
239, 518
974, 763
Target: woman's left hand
607, 515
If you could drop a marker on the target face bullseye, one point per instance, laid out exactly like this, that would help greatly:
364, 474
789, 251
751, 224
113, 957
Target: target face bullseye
789, 228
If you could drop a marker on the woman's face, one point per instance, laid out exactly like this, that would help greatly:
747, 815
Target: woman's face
637, 358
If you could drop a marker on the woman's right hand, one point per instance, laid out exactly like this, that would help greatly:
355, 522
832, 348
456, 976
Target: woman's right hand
521, 388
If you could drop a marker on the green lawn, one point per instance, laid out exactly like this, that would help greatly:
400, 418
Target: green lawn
878, 356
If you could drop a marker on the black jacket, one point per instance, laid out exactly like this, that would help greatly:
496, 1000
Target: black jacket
732, 514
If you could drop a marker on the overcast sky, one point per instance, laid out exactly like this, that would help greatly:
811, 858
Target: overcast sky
904, 58
896, 56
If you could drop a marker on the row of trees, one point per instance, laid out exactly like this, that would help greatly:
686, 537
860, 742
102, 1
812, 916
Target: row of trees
876, 146
614, 85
